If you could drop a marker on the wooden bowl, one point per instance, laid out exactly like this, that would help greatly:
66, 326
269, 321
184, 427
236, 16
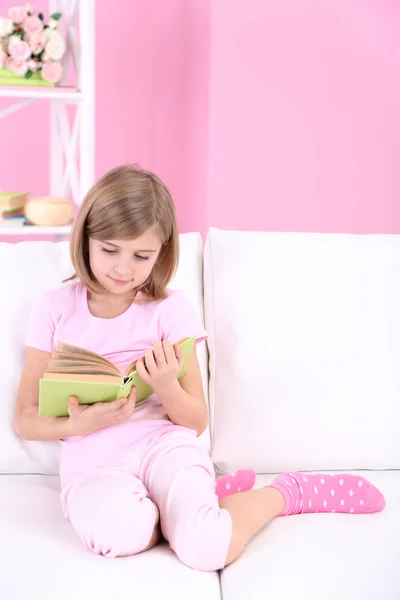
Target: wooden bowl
48, 211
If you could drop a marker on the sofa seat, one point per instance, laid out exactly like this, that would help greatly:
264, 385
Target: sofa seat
309, 556
42, 558
323, 556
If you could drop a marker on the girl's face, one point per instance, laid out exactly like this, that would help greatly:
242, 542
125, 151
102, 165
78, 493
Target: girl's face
123, 265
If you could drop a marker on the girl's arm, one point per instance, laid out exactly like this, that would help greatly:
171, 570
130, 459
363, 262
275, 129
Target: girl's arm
27, 423
82, 420
183, 399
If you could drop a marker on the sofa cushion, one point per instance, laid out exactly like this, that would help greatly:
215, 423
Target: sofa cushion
323, 556
304, 350
29, 268
41, 556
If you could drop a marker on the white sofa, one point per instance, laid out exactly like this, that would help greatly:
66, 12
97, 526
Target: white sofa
304, 362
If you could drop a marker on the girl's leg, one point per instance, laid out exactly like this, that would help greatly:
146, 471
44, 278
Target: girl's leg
295, 493
250, 512
112, 513
180, 478
205, 535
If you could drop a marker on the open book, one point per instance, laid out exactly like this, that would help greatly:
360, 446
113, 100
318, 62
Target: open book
74, 371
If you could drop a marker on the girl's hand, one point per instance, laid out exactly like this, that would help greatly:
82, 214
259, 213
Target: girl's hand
84, 419
160, 367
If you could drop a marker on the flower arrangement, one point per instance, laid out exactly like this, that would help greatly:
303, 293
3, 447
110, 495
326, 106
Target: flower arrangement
30, 46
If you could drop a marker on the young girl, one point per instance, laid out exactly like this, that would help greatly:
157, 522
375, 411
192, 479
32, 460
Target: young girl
125, 468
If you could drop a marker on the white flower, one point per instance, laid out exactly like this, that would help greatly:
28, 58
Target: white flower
55, 47
14, 39
6, 27
51, 33
53, 24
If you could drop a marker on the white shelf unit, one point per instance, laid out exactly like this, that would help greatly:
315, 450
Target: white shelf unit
72, 148
32, 230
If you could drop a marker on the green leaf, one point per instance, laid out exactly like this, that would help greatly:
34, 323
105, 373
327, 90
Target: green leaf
56, 16
41, 16
28, 74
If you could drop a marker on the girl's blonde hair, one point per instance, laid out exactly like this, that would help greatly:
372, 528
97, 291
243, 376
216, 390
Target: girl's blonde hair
123, 204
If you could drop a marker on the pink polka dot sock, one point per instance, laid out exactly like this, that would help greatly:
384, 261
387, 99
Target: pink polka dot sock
234, 483
342, 493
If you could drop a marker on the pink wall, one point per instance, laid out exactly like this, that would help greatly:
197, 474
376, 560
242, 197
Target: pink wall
304, 130
258, 115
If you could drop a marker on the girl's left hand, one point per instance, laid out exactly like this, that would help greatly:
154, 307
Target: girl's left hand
160, 367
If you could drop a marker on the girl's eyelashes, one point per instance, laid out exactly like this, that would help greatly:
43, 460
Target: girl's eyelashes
138, 256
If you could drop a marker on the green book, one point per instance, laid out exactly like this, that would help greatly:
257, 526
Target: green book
74, 371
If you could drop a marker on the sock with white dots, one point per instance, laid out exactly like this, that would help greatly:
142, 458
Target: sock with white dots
342, 493
234, 483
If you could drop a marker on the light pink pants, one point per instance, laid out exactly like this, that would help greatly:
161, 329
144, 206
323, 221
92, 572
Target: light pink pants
112, 512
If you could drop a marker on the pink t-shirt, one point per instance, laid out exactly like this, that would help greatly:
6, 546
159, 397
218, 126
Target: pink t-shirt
62, 315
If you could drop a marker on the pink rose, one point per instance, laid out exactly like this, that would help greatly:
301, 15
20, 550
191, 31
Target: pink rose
19, 51
52, 71
3, 58
32, 65
32, 25
37, 42
17, 14
19, 67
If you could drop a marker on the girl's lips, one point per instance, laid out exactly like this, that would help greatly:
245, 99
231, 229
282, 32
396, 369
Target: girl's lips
119, 281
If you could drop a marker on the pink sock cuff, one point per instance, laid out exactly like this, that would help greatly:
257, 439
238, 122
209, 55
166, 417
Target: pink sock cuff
287, 496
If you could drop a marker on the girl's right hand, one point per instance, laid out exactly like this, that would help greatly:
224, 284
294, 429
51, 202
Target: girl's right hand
84, 419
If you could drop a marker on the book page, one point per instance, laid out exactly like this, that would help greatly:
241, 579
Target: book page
83, 354
62, 366
130, 368
77, 362
86, 378
79, 358
89, 369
